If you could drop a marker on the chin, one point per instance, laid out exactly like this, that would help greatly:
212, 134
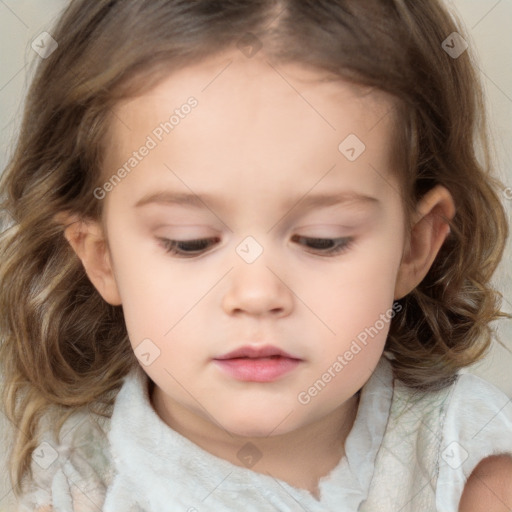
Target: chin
253, 427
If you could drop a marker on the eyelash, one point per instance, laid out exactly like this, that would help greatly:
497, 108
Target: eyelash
172, 246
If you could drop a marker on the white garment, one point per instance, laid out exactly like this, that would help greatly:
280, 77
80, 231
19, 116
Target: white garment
408, 452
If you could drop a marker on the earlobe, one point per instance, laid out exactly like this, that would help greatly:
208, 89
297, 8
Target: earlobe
87, 239
428, 232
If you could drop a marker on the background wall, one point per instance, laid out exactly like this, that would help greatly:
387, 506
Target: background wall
488, 26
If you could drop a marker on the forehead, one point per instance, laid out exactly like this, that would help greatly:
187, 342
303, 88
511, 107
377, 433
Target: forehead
256, 85
255, 123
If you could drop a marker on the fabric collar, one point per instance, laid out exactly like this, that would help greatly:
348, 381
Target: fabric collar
156, 467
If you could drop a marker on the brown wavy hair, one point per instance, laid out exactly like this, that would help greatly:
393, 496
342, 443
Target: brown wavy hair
64, 348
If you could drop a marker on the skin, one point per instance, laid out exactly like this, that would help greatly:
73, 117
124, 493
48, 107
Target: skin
488, 488
257, 146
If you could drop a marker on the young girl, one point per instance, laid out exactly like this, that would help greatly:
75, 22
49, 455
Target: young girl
247, 249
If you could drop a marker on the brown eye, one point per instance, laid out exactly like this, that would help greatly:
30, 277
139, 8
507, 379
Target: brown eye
326, 246
186, 247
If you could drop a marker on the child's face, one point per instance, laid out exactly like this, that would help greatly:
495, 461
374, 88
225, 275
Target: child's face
261, 142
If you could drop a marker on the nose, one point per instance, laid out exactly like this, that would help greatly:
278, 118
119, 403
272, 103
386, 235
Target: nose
257, 290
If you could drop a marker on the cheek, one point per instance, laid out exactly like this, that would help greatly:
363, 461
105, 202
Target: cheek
359, 289
357, 306
164, 303
153, 293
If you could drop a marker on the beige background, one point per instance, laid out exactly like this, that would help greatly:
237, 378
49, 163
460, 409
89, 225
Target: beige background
488, 25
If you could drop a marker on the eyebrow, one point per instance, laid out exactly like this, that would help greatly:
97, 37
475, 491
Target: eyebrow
204, 201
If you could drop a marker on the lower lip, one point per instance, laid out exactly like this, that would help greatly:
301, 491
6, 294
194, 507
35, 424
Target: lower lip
265, 369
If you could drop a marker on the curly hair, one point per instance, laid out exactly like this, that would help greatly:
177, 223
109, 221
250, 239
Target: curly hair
63, 348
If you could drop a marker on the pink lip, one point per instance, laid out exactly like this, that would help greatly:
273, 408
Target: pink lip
257, 364
256, 352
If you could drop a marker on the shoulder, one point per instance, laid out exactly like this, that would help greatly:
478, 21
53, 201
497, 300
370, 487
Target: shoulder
489, 488
475, 463
73, 471
477, 413
443, 443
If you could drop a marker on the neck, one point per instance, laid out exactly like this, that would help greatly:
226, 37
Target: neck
300, 457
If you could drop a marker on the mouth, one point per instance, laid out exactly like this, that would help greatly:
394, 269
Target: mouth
257, 364
250, 352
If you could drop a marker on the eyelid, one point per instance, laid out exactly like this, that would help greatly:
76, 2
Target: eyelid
341, 244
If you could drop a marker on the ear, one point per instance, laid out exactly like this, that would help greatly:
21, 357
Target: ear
87, 239
428, 232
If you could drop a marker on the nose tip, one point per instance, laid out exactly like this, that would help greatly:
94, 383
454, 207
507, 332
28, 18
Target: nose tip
257, 290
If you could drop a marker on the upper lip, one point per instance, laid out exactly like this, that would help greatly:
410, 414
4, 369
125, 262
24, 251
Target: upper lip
256, 352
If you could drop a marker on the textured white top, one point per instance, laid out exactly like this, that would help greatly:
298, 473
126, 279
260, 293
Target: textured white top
407, 452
